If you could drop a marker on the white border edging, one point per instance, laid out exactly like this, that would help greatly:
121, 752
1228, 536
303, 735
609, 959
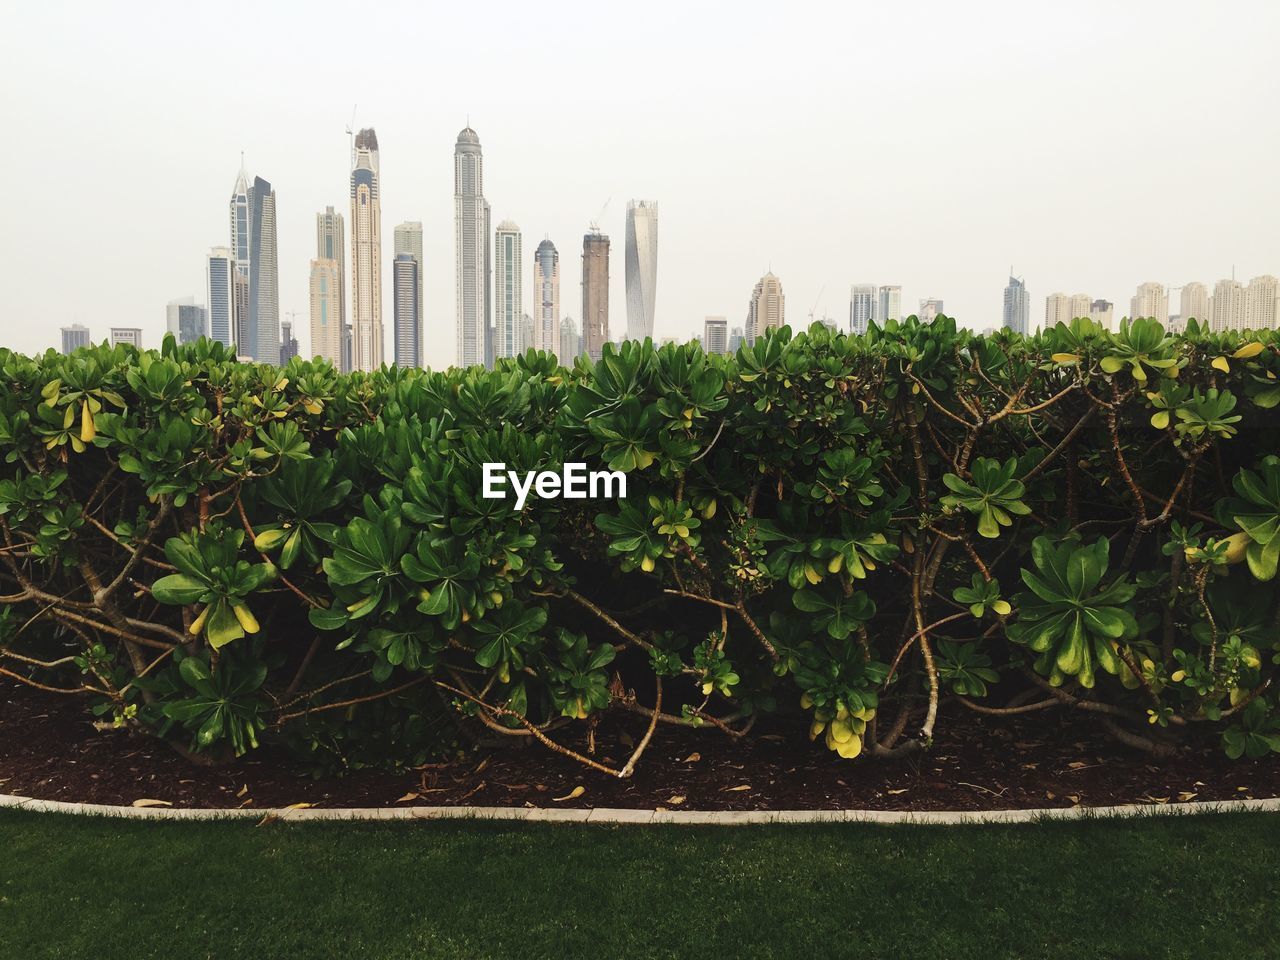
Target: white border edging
612, 815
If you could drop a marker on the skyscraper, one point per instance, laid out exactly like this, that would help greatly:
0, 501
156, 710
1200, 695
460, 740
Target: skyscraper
240, 238
546, 302
715, 335
1226, 309
261, 339
1102, 312
288, 342
327, 327
890, 303
1194, 303
1057, 309
408, 324
1151, 300
863, 301
641, 267
1262, 303
567, 351
129, 335
221, 275
508, 292
74, 337
366, 254
185, 320
407, 238
1017, 306
929, 309
471, 244
767, 309
736, 337
595, 292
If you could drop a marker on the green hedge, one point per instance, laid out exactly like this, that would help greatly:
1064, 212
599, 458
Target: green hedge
853, 528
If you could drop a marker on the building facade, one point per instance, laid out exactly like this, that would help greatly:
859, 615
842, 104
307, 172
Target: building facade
405, 281
546, 303
407, 238
261, 334
864, 300
1150, 300
288, 342
1016, 315
1103, 312
595, 292
715, 335
929, 309
220, 277
366, 254
74, 337
327, 326
185, 320
240, 240
641, 267
890, 303
1193, 304
471, 246
570, 342
767, 309
508, 291
1262, 303
129, 335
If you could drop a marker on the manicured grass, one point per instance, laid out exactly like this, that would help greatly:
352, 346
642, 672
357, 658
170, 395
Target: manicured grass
1203, 887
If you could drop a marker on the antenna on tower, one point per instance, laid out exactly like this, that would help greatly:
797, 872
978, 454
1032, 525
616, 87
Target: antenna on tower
351, 132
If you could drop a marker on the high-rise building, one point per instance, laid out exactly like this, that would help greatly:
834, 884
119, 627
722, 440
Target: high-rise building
1226, 308
288, 342
767, 309
595, 292
185, 320
366, 254
471, 242
1017, 306
508, 290
1262, 303
408, 324
327, 327
240, 240
1057, 309
261, 334
1080, 306
1151, 300
1194, 304
641, 267
546, 303
348, 348
129, 335
408, 239
890, 303
863, 302
715, 335
74, 337
736, 338
570, 342
929, 309
1102, 312
221, 288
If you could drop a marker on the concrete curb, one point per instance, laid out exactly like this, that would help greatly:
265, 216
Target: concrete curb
623, 816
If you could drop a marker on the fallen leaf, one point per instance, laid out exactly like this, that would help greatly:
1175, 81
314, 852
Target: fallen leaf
1073, 798
407, 797
483, 763
741, 786
573, 794
1049, 794
152, 803
1185, 796
894, 793
242, 791
676, 801
1077, 764
693, 757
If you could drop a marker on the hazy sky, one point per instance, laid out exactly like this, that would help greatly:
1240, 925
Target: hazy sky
1091, 146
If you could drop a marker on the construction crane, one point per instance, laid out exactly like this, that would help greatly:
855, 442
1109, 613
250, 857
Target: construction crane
595, 224
351, 133
816, 300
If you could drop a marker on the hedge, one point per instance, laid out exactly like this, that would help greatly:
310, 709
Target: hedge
848, 529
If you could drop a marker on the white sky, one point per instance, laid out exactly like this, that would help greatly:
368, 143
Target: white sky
933, 144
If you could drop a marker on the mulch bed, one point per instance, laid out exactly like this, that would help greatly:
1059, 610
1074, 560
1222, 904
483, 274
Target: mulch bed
49, 749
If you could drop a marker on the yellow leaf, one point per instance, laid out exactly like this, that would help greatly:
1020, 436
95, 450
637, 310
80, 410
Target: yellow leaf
573, 794
407, 797
1065, 358
693, 757
676, 801
740, 787
299, 806
1248, 351
152, 803
87, 429
1220, 363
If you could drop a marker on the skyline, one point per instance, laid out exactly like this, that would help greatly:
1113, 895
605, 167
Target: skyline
920, 165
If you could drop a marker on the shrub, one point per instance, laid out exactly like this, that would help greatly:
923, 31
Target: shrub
219, 551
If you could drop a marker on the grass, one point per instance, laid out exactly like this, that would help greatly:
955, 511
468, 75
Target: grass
1144, 888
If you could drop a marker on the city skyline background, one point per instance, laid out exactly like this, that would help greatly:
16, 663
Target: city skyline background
1090, 148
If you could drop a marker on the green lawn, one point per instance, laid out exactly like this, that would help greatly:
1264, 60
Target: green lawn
1203, 887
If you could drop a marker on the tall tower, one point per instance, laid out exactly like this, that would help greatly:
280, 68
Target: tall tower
220, 291
546, 302
366, 254
1151, 300
408, 324
261, 338
187, 321
471, 245
240, 255
1017, 306
1262, 303
1227, 306
569, 347
641, 267
407, 238
595, 292
767, 309
329, 289
508, 292
1194, 304
715, 335
890, 303
862, 307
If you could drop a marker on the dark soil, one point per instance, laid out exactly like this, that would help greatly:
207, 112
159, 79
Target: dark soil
50, 749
